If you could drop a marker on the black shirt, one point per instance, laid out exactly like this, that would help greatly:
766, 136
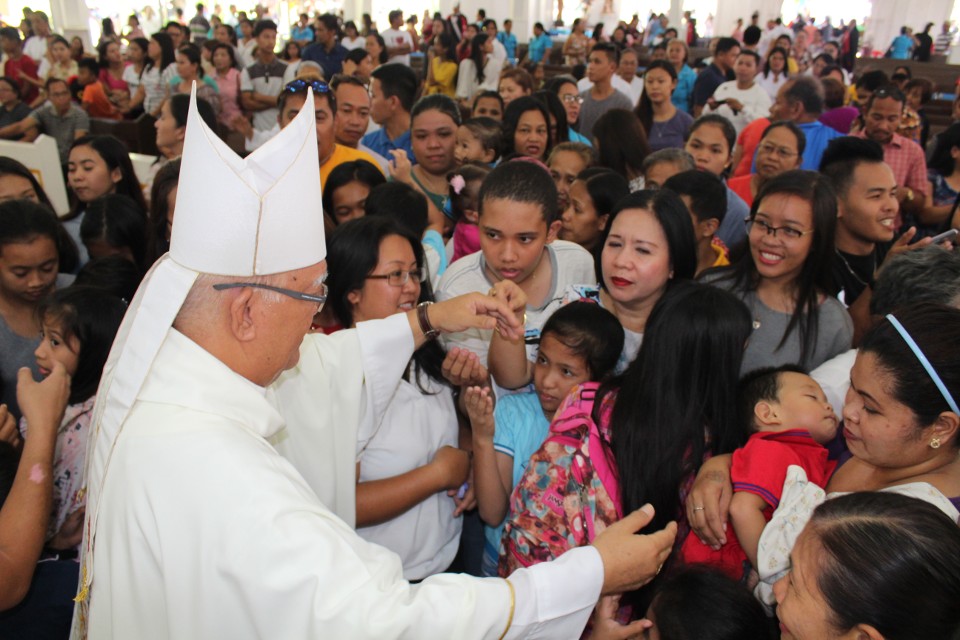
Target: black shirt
851, 274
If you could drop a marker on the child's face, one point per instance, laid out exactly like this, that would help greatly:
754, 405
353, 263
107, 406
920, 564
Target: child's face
801, 404
470, 200
488, 108
349, 201
913, 98
468, 147
84, 77
512, 237
558, 369
55, 347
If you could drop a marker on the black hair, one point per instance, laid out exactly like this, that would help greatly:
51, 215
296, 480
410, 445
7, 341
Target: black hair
698, 602
356, 56
834, 92
511, 119
621, 142
889, 91
401, 203
470, 172
66, 247
90, 65
676, 401
842, 157
345, 173
23, 221
93, 317
436, 102
116, 156
398, 80
935, 328
12, 83
231, 33
11, 33
330, 22
114, 274
102, 52
790, 126
383, 57
707, 193
561, 129
522, 182
353, 254
192, 53
118, 221
493, 95
752, 35
644, 108
807, 91
717, 120
180, 109
610, 49
726, 44
605, 187
230, 51
872, 80
166, 180
751, 54
814, 278
889, 561
487, 131
942, 161
167, 54
760, 385
476, 55
143, 43
449, 45
264, 25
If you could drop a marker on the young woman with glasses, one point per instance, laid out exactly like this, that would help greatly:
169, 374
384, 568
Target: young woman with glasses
781, 149
784, 275
409, 468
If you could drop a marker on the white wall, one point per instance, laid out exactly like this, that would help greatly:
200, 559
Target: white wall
889, 15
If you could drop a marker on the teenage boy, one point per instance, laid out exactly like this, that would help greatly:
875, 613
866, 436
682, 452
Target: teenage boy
392, 93
718, 72
261, 82
94, 98
518, 221
706, 198
601, 68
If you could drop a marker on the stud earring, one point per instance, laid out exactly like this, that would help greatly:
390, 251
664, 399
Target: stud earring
935, 443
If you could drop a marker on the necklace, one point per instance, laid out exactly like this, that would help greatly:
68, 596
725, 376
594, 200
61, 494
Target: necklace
873, 267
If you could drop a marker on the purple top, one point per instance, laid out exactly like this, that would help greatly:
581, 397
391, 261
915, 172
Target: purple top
840, 119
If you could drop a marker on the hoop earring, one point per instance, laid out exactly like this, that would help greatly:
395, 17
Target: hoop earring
935, 443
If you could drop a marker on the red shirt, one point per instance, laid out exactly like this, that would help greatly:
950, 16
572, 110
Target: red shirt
12, 68
749, 139
741, 187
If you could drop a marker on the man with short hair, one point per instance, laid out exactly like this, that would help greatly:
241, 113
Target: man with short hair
800, 100
302, 32
743, 100
326, 51
353, 115
188, 497
627, 71
508, 40
175, 31
261, 82
18, 65
59, 118
36, 45
199, 26
398, 40
392, 93
603, 95
881, 119
718, 72
941, 44
538, 49
751, 38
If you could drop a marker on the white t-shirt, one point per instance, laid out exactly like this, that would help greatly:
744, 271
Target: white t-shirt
396, 38
570, 264
353, 43
467, 84
131, 77
415, 426
772, 84
36, 48
756, 104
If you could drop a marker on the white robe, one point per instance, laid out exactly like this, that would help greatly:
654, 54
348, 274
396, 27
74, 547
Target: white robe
206, 532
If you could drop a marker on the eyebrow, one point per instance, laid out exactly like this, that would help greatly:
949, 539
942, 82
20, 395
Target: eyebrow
769, 217
862, 392
518, 233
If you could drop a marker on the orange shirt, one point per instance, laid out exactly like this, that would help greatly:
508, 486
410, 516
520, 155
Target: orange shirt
749, 139
96, 103
741, 187
340, 155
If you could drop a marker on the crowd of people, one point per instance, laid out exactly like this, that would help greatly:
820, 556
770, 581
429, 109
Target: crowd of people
726, 294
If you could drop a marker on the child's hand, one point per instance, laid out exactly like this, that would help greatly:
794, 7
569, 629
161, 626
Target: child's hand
510, 293
452, 465
467, 501
461, 367
43, 403
479, 405
8, 428
606, 627
71, 531
400, 167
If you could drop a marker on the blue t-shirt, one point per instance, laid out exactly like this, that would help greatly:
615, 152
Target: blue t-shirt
301, 33
509, 42
578, 137
684, 91
380, 142
818, 136
733, 230
521, 429
538, 46
900, 47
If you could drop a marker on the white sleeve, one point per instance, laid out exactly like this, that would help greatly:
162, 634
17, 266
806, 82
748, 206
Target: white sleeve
245, 83
465, 80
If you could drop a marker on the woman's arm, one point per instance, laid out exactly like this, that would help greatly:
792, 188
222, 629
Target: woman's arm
382, 500
708, 504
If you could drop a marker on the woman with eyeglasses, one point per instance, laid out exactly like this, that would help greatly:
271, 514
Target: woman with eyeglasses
566, 89
780, 150
409, 468
784, 275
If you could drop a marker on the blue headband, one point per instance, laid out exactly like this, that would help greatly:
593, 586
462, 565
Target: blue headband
926, 363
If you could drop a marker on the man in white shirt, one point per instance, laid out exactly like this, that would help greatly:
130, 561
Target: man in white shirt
36, 45
398, 40
195, 526
627, 71
743, 100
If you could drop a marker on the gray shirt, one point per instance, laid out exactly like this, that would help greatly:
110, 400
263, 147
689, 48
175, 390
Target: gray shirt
62, 128
834, 332
592, 109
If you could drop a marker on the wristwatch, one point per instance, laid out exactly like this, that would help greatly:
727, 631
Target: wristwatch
423, 319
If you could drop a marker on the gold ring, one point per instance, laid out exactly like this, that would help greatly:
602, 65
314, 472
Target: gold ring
492, 292
698, 508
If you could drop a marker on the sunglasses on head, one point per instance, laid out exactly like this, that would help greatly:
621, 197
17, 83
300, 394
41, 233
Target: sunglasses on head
319, 86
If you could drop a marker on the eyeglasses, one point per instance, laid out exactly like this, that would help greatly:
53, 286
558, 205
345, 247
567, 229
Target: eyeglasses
570, 98
296, 295
789, 233
400, 277
783, 152
297, 86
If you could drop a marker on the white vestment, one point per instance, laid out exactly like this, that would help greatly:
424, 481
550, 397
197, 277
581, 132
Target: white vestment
205, 531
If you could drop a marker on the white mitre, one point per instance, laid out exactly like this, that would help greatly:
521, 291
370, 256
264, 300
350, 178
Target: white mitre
234, 216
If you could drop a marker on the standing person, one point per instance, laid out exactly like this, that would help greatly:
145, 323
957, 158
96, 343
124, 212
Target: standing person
458, 22
924, 44
326, 51
442, 66
665, 124
743, 100
902, 46
627, 71
227, 77
353, 116
941, 46
540, 45
262, 81
785, 277
18, 65
36, 45
392, 94
199, 26
478, 72
718, 72
677, 55
399, 42
230, 468
302, 32
575, 46
602, 96
508, 40
775, 71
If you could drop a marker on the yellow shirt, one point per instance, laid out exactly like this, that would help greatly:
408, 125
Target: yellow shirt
343, 154
721, 251
444, 78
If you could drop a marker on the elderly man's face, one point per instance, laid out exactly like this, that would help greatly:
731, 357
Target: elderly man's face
288, 320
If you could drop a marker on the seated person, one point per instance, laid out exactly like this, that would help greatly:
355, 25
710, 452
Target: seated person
706, 199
